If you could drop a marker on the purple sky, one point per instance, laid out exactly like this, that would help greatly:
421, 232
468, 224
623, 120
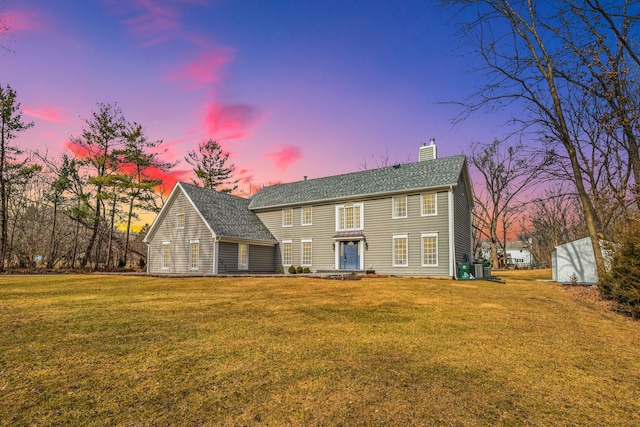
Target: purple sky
289, 88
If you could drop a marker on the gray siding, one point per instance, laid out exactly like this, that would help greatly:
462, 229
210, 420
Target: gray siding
320, 231
261, 258
379, 228
462, 224
227, 257
179, 239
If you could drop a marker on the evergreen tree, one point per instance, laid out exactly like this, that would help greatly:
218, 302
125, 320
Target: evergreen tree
209, 167
10, 124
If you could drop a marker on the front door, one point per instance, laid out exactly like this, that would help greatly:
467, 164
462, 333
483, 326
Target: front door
349, 258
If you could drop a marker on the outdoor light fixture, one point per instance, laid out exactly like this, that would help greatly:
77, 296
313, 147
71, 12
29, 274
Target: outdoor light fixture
366, 245
333, 245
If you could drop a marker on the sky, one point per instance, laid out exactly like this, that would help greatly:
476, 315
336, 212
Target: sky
288, 88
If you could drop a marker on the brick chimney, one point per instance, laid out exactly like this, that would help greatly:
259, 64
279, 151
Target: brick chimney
428, 152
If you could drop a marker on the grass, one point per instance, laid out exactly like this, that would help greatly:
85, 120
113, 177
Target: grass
107, 350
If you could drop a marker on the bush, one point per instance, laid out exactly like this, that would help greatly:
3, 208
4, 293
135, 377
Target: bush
621, 283
292, 270
279, 270
306, 270
300, 270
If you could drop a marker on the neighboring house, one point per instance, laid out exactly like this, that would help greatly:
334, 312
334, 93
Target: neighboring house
411, 219
518, 254
574, 263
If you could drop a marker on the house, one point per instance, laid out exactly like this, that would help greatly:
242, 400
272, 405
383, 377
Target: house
410, 219
518, 254
575, 263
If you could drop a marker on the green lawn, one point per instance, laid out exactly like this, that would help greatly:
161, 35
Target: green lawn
107, 350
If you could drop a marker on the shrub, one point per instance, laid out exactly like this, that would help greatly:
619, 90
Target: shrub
279, 270
621, 283
292, 270
306, 270
299, 270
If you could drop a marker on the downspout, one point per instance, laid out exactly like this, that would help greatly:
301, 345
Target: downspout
148, 256
452, 247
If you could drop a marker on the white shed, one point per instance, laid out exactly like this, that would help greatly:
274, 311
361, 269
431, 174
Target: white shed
574, 263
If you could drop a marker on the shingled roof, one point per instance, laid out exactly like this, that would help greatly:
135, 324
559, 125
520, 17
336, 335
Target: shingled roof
393, 179
228, 216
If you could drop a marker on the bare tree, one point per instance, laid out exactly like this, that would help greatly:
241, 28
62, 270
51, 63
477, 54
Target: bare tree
551, 220
533, 63
505, 172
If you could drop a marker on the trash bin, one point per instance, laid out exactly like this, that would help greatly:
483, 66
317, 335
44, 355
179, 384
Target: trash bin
487, 272
464, 270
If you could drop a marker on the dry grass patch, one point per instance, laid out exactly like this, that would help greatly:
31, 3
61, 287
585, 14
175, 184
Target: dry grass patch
96, 350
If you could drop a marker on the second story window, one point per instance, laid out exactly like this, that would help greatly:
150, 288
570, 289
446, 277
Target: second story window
429, 204
350, 217
306, 215
287, 217
399, 207
180, 218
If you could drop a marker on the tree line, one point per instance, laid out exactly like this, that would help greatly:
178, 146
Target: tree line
76, 210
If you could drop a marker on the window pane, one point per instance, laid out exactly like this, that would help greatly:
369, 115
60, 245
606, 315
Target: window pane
400, 251
166, 256
349, 213
306, 253
180, 218
287, 217
243, 263
399, 207
195, 254
286, 253
306, 216
429, 204
430, 251
349, 217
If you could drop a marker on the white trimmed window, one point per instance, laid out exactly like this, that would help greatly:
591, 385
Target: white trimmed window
400, 250
180, 218
429, 204
307, 253
350, 216
166, 255
194, 254
287, 217
430, 250
306, 215
243, 256
287, 256
399, 207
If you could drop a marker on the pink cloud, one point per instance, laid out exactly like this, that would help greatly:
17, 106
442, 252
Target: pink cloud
223, 122
49, 114
156, 21
204, 70
152, 20
285, 156
22, 20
